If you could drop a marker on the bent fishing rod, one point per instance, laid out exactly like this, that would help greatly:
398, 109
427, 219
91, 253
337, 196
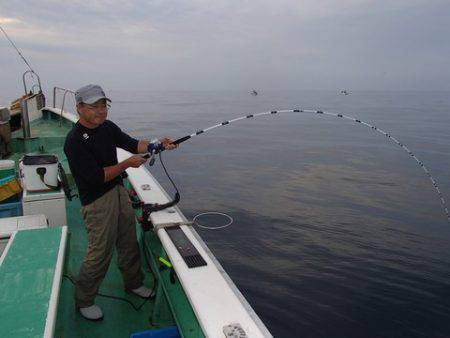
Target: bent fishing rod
160, 148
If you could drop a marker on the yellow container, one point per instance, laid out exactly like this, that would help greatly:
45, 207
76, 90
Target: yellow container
9, 189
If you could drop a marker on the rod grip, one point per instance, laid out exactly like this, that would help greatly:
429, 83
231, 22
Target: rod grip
180, 140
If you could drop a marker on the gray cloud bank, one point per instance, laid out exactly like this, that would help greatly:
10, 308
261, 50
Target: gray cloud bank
201, 45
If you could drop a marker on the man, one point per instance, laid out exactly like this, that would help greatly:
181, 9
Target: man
90, 148
5, 132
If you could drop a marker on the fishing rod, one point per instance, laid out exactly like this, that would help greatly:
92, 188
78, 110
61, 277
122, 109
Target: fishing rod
320, 112
17, 49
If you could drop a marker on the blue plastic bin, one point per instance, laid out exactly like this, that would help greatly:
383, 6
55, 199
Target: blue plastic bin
167, 332
11, 209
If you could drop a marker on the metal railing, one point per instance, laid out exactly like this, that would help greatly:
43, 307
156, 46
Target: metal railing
38, 97
31, 72
55, 89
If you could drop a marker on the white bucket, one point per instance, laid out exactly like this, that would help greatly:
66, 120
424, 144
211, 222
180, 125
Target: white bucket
39, 173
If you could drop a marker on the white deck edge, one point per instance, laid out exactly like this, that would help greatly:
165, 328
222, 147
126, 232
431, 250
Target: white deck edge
65, 114
234, 288
50, 322
8, 245
250, 321
7, 233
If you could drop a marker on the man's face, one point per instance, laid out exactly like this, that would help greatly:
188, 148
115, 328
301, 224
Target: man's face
94, 114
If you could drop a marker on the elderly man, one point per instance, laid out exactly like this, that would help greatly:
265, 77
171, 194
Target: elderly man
90, 148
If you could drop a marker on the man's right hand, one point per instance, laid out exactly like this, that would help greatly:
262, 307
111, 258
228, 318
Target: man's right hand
113, 171
135, 161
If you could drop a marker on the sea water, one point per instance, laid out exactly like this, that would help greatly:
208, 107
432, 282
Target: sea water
337, 231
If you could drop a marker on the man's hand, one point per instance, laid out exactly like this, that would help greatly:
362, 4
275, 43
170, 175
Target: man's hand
113, 171
135, 161
167, 143
144, 145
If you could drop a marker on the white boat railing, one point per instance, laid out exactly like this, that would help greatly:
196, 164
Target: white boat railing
31, 72
65, 90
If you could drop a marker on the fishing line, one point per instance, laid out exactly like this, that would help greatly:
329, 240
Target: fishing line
320, 112
167, 174
17, 49
195, 219
209, 227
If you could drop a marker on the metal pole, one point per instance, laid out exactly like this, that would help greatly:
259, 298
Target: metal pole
62, 107
25, 120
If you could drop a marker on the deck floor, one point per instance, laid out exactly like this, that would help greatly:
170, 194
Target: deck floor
50, 141
120, 319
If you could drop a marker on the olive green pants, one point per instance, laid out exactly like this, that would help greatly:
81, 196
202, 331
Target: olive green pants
110, 223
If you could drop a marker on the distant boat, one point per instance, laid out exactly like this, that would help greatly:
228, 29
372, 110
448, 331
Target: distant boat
345, 92
254, 92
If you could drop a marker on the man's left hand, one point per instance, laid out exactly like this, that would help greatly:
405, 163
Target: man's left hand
168, 143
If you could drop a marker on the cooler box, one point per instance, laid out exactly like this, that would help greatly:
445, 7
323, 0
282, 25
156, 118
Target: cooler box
51, 204
40, 172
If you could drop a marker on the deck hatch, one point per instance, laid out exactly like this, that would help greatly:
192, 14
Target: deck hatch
187, 250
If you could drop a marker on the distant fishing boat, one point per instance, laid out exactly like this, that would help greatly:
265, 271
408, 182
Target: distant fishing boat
345, 92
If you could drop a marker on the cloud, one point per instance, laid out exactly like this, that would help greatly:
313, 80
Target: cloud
201, 44
8, 21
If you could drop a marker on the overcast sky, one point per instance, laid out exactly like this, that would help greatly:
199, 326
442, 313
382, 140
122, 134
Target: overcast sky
227, 44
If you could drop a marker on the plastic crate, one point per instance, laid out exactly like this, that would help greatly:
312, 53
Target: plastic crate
167, 332
11, 209
9, 188
7, 168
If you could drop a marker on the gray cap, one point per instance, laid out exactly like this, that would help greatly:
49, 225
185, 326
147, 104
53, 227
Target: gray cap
90, 94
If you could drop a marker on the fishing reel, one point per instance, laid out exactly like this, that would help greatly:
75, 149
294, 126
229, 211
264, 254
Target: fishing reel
153, 148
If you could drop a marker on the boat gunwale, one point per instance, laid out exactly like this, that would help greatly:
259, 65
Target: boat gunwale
163, 237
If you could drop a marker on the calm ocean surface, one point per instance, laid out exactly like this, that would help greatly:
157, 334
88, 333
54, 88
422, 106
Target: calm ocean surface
337, 231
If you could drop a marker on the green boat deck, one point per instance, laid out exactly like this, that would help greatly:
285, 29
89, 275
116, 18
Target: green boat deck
120, 318
26, 280
169, 308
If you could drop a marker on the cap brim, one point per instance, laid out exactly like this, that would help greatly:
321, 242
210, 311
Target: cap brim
94, 99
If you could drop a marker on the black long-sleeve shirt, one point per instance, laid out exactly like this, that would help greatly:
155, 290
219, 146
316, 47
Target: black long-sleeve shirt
89, 151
